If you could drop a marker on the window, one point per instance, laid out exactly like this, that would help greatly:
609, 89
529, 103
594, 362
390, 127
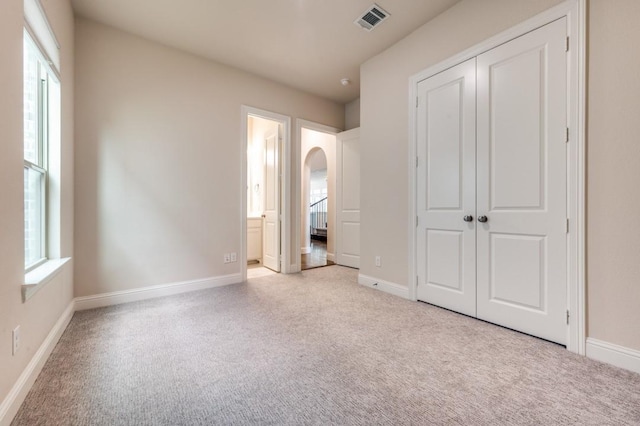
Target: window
39, 83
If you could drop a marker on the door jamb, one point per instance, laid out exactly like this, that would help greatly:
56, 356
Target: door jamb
285, 187
575, 12
300, 123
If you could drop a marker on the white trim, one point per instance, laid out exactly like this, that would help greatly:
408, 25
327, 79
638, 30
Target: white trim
305, 250
610, 353
285, 190
386, 286
12, 402
143, 293
575, 11
331, 257
297, 199
38, 25
35, 279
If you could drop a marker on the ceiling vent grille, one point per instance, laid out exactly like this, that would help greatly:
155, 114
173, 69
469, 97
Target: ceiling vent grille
372, 17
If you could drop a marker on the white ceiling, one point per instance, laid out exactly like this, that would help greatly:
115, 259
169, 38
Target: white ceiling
306, 44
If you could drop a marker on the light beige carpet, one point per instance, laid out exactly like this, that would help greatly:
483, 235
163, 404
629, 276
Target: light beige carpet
314, 348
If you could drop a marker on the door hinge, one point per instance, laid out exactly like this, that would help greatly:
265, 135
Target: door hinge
417, 281
417, 101
416, 221
567, 45
567, 225
566, 138
416, 161
567, 317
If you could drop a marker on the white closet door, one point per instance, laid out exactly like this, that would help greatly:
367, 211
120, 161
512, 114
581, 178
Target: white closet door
446, 259
348, 198
271, 215
521, 160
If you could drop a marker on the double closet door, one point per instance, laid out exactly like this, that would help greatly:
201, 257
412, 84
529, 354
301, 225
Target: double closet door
492, 185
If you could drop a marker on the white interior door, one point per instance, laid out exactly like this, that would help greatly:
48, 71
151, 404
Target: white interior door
446, 235
348, 198
522, 183
271, 215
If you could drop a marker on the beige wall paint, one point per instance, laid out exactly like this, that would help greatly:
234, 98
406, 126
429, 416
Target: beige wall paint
158, 159
613, 232
352, 114
384, 115
37, 316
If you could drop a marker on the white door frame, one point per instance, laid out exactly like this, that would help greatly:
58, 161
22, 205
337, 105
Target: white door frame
575, 11
285, 189
297, 199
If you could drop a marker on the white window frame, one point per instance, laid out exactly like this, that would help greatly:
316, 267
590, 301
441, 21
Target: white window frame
42, 134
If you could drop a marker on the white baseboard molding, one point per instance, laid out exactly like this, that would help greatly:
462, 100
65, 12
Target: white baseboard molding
386, 286
620, 356
134, 295
331, 257
11, 404
305, 250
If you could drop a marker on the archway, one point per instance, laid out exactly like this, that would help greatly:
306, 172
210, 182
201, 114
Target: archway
314, 210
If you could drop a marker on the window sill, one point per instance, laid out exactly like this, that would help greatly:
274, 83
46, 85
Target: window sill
36, 279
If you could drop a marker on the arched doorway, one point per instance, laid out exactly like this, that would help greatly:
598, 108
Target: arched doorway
315, 210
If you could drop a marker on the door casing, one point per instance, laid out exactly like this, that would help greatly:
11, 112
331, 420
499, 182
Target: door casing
575, 11
285, 188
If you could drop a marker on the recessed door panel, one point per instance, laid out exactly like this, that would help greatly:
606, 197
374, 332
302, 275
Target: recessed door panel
351, 239
446, 125
522, 183
445, 259
518, 271
444, 168
517, 110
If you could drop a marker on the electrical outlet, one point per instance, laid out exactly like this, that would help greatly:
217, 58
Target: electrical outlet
234, 257
378, 261
16, 339
227, 258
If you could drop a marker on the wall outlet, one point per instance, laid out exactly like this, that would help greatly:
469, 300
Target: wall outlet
16, 339
227, 258
234, 257
378, 261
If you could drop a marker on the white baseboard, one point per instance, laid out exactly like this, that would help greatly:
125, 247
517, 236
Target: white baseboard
331, 257
125, 296
386, 286
11, 404
610, 353
305, 250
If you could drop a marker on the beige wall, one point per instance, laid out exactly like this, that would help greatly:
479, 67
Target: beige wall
158, 159
613, 231
37, 316
352, 114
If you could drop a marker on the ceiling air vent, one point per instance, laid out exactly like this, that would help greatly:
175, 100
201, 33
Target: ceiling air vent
372, 17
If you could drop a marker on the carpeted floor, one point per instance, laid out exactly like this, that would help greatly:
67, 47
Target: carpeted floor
314, 348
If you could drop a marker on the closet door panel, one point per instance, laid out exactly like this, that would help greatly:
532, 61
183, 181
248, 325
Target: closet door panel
521, 183
446, 189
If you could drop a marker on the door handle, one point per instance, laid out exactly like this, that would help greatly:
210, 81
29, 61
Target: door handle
264, 215
468, 218
482, 219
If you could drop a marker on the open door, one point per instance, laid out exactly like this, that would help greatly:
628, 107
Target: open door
271, 214
348, 198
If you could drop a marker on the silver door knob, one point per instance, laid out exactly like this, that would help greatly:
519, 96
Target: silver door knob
482, 219
468, 218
